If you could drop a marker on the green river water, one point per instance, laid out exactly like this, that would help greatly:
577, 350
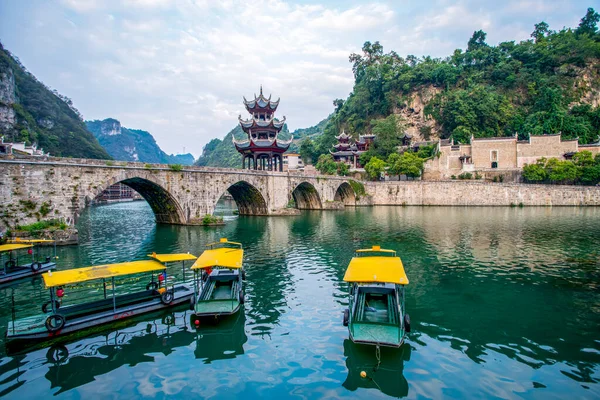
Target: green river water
504, 302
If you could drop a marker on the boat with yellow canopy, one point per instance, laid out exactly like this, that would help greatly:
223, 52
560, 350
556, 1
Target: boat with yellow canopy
168, 259
103, 298
376, 311
22, 258
218, 275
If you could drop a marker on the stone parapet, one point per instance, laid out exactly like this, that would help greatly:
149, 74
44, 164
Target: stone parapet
477, 193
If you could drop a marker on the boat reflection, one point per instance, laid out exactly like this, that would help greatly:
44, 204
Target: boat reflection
385, 374
221, 340
79, 363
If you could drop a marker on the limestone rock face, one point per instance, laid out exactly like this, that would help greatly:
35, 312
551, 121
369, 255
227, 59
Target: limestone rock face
110, 127
46, 123
413, 117
8, 117
128, 144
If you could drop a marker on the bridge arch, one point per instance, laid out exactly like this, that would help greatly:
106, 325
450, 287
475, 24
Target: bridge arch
345, 194
248, 199
166, 208
306, 197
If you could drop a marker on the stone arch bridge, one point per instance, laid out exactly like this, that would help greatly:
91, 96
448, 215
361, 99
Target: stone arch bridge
62, 188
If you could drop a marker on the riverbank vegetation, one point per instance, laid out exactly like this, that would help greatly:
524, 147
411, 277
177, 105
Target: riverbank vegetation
584, 169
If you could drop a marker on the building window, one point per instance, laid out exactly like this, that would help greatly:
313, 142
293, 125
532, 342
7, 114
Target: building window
494, 158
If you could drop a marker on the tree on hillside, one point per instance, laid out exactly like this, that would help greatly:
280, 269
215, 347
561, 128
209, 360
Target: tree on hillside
540, 31
589, 23
307, 151
477, 41
387, 137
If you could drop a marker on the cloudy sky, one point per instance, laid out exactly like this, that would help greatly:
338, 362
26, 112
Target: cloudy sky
179, 68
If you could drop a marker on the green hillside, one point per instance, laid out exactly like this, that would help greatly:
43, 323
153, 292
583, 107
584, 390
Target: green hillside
32, 113
547, 84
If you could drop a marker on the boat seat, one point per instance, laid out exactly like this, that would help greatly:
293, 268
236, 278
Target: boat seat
207, 291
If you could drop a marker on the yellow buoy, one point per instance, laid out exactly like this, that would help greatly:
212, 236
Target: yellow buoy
363, 374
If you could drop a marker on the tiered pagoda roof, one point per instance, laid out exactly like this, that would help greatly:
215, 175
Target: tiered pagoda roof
346, 147
262, 128
261, 103
343, 136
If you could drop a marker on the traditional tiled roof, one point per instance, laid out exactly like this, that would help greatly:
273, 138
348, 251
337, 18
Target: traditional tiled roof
495, 138
345, 153
252, 123
262, 143
342, 146
260, 102
343, 136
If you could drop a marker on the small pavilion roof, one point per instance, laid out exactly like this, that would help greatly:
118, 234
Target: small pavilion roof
343, 136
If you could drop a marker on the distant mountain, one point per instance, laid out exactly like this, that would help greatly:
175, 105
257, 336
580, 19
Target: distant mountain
132, 144
32, 113
222, 153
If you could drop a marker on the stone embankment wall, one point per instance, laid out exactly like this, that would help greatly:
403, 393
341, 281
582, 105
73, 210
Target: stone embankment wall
476, 193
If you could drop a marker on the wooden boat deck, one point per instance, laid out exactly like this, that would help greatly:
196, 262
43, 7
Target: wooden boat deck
376, 334
218, 297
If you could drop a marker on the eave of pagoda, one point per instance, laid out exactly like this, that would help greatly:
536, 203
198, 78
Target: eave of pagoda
261, 104
272, 124
262, 145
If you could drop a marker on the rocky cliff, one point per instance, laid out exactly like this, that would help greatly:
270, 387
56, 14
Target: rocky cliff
132, 144
32, 113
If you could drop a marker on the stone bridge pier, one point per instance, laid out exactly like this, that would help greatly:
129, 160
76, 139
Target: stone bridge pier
62, 188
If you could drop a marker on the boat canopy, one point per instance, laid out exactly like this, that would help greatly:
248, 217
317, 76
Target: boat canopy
60, 278
224, 241
376, 249
11, 247
173, 257
31, 241
380, 269
222, 257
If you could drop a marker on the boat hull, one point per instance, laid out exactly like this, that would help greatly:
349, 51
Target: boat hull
214, 309
22, 272
33, 328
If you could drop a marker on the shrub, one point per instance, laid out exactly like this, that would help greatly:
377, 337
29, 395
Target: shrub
374, 168
326, 165
176, 167
41, 225
465, 175
209, 219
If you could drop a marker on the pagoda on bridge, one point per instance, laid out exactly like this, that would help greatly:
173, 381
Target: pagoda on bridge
263, 149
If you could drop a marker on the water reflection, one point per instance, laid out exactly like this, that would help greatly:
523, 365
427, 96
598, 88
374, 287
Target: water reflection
79, 363
221, 340
503, 301
384, 370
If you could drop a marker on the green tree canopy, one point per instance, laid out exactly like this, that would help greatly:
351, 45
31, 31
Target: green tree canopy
375, 168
